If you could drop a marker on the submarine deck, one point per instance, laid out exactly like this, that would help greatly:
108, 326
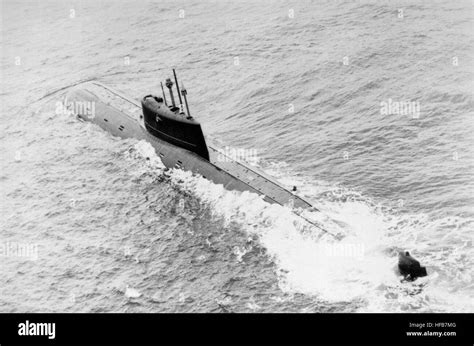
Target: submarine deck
251, 177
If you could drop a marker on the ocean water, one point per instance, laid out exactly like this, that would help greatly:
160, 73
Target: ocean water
306, 84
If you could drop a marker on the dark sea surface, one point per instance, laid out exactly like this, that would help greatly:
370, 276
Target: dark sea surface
300, 82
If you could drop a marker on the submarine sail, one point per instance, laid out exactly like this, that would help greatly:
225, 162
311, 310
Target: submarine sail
173, 127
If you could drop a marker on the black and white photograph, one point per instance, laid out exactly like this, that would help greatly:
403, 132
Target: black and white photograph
202, 158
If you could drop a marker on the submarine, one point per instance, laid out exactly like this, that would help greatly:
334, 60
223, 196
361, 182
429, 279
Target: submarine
177, 138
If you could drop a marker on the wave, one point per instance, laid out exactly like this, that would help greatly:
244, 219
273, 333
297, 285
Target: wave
360, 268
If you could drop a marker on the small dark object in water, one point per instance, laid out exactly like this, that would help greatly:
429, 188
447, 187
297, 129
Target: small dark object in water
409, 267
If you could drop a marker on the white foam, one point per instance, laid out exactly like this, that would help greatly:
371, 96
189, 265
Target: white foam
362, 265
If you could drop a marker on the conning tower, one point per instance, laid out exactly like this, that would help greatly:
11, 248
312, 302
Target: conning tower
171, 124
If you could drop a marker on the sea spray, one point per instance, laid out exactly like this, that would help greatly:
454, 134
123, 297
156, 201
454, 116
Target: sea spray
359, 267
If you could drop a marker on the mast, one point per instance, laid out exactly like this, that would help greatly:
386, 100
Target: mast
179, 95
184, 92
163, 91
169, 85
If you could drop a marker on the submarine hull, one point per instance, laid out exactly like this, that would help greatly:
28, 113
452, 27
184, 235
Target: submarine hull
123, 117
